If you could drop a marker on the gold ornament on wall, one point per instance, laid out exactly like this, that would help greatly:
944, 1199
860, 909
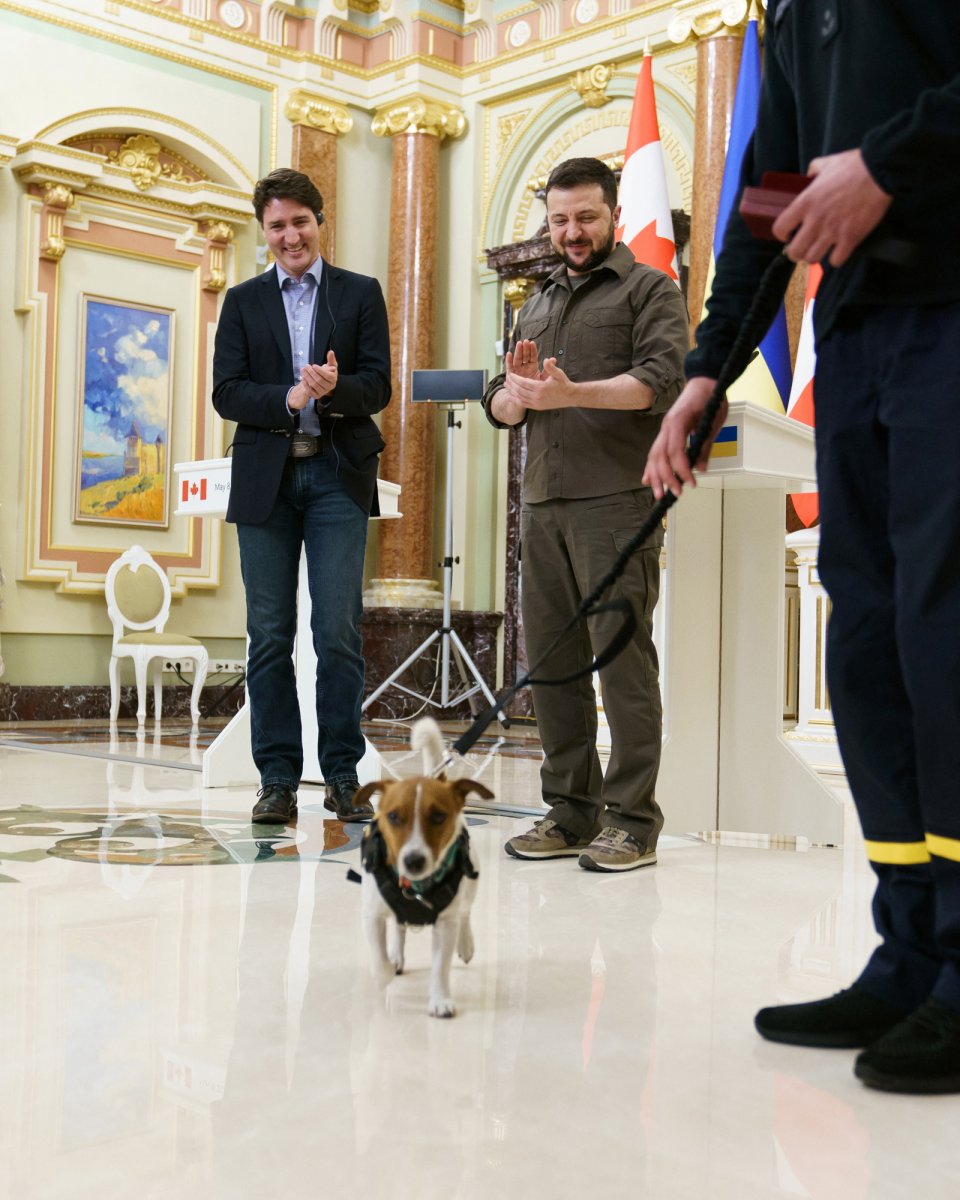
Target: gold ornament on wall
591, 84
507, 127
517, 291
140, 155
219, 235
57, 198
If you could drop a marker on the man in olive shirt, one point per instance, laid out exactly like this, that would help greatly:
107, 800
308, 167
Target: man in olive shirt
597, 358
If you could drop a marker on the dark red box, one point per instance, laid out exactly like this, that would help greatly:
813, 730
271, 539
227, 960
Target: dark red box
760, 206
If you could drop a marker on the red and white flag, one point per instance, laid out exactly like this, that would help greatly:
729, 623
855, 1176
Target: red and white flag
645, 222
800, 404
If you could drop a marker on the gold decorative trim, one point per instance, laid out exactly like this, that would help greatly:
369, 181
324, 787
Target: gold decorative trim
591, 84
61, 151
134, 114
198, 210
306, 108
39, 164
140, 155
507, 126
45, 555
57, 198
102, 35
417, 114
55, 195
135, 153
8, 148
520, 11
426, 18
481, 69
219, 235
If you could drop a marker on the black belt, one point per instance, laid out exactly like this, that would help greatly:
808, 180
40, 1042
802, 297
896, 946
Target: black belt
305, 445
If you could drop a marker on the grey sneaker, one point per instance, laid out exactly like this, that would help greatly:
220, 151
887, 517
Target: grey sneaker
546, 839
616, 850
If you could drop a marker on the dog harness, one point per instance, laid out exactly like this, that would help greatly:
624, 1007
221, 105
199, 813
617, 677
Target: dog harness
417, 902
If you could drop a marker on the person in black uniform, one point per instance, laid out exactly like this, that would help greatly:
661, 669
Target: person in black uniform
866, 99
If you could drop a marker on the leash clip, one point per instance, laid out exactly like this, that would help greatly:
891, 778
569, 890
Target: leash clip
409, 894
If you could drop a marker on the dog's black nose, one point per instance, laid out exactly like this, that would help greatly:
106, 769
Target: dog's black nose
414, 862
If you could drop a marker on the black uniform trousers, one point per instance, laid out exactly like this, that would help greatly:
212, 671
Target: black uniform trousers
887, 398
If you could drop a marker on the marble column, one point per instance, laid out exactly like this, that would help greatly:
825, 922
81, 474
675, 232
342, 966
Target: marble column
317, 123
417, 127
719, 36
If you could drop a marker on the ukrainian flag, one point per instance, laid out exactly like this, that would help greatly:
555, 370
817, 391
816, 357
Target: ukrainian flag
767, 379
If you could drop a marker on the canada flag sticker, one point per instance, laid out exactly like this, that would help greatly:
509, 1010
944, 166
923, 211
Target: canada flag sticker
190, 491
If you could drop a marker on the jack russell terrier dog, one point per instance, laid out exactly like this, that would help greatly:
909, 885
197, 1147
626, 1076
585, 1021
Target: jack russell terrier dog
418, 869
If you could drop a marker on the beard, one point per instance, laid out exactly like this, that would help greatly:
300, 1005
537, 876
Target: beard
593, 259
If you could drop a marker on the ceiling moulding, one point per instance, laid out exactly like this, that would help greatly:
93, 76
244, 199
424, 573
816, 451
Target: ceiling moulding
469, 21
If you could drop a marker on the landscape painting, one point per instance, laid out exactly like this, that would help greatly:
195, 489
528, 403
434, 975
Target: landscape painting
124, 428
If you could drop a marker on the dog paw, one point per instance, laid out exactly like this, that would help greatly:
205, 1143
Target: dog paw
442, 1006
397, 965
465, 945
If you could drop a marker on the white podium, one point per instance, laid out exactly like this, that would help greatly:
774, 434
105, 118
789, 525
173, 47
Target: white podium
203, 489
726, 765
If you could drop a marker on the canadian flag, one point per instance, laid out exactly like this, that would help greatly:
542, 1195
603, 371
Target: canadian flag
645, 222
800, 404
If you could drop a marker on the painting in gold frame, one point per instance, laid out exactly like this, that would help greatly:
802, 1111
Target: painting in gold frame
126, 388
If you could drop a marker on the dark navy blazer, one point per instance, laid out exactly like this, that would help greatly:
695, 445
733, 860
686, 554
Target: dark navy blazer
253, 372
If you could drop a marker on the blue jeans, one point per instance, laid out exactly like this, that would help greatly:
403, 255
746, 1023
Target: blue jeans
312, 510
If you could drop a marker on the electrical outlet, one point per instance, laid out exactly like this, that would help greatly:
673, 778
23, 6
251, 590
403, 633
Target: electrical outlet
226, 666
216, 666
178, 664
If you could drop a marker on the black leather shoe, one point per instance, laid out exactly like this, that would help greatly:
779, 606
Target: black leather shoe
339, 800
276, 805
920, 1056
851, 1018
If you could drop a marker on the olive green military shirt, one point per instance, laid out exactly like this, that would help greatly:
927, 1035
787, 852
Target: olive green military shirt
625, 319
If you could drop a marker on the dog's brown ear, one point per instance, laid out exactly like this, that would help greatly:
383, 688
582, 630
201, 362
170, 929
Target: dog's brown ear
370, 789
464, 788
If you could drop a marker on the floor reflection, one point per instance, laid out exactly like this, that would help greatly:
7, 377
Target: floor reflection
185, 1016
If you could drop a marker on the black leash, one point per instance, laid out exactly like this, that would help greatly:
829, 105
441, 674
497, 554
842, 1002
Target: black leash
763, 309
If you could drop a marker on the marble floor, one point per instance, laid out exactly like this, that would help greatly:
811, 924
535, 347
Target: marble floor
187, 1010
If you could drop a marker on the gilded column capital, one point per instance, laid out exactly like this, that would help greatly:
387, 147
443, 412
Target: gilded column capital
699, 19
306, 108
417, 114
591, 84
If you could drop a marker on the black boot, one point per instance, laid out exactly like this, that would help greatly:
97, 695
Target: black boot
340, 800
276, 805
846, 1021
921, 1055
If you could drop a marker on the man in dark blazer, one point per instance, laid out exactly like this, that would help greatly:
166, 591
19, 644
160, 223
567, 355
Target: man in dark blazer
301, 362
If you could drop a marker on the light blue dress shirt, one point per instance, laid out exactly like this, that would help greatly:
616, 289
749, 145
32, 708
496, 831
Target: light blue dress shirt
300, 303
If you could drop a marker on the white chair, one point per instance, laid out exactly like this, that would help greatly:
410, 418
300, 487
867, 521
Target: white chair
138, 598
